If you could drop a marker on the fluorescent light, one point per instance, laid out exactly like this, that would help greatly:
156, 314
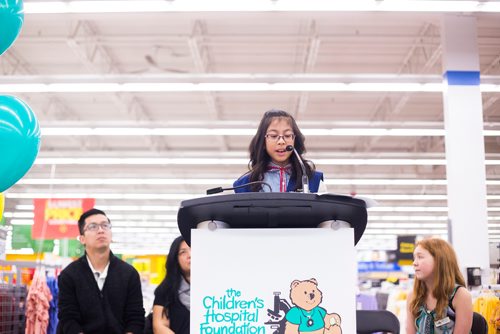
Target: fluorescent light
125, 181
130, 219
146, 223
8, 214
139, 161
60, 7
104, 196
81, 131
404, 224
156, 230
195, 181
141, 218
136, 250
156, 208
489, 88
227, 87
236, 161
97, 87
403, 231
136, 131
404, 132
21, 222
397, 182
167, 208
410, 209
23, 251
405, 197
180, 197
407, 218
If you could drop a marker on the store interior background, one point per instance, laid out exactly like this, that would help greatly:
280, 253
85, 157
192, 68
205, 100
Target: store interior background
140, 153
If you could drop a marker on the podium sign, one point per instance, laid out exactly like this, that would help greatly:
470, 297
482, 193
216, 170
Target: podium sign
247, 280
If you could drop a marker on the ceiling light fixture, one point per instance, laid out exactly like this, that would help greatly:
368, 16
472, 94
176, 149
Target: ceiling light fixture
180, 197
195, 181
156, 208
136, 131
243, 161
124, 196
61, 7
167, 208
97, 87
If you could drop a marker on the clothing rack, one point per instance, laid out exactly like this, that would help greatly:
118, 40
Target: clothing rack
18, 266
12, 308
491, 286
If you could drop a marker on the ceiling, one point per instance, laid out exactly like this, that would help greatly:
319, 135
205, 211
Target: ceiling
139, 179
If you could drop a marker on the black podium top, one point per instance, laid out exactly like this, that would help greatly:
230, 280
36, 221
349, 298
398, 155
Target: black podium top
272, 210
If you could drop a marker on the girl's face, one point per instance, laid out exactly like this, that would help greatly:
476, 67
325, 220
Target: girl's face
184, 256
279, 135
423, 262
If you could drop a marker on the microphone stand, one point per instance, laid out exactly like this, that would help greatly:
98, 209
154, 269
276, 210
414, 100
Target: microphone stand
305, 178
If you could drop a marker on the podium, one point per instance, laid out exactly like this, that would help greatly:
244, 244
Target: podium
252, 253
273, 210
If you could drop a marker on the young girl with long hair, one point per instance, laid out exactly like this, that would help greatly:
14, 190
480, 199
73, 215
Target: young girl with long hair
439, 303
271, 162
171, 307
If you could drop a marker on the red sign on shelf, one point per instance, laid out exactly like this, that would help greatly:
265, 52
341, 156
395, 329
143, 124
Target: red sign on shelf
57, 218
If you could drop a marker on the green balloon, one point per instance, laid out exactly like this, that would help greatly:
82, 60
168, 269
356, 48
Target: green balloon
11, 21
19, 138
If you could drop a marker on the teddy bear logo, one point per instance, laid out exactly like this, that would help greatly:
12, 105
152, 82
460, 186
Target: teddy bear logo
306, 316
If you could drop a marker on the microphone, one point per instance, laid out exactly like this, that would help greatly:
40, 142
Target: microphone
220, 189
305, 178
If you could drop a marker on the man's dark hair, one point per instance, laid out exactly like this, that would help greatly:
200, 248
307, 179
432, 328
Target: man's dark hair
85, 215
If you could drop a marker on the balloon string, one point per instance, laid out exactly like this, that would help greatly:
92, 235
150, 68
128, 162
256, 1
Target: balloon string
44, 226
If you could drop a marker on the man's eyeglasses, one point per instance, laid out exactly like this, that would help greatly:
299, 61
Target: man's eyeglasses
276, 138
93, 227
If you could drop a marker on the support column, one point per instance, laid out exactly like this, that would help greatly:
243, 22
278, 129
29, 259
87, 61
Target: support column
465, 155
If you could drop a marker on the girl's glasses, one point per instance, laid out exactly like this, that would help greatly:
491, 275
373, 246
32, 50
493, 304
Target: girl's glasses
276, 138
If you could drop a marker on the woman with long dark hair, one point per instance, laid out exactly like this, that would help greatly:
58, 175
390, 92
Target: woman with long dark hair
272, 163
172, 297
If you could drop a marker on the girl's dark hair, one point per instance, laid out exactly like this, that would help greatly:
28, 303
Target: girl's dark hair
259, 159
172, 280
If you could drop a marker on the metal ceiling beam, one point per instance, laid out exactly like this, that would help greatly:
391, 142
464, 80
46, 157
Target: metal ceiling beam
12, 64
201, 60
311, 55
412, 64
491, 99
96, 57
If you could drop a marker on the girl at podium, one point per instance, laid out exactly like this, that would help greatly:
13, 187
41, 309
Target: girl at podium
273, 162
171, 307
439, 303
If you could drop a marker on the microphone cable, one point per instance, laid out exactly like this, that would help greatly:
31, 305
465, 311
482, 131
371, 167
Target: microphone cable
220, 189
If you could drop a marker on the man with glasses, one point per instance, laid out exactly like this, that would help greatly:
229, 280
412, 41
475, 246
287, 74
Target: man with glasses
99, 293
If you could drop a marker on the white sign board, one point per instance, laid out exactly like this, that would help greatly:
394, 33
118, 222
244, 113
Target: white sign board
251, 281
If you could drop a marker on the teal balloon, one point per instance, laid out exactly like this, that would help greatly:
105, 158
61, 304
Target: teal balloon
11, 21
19, 140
